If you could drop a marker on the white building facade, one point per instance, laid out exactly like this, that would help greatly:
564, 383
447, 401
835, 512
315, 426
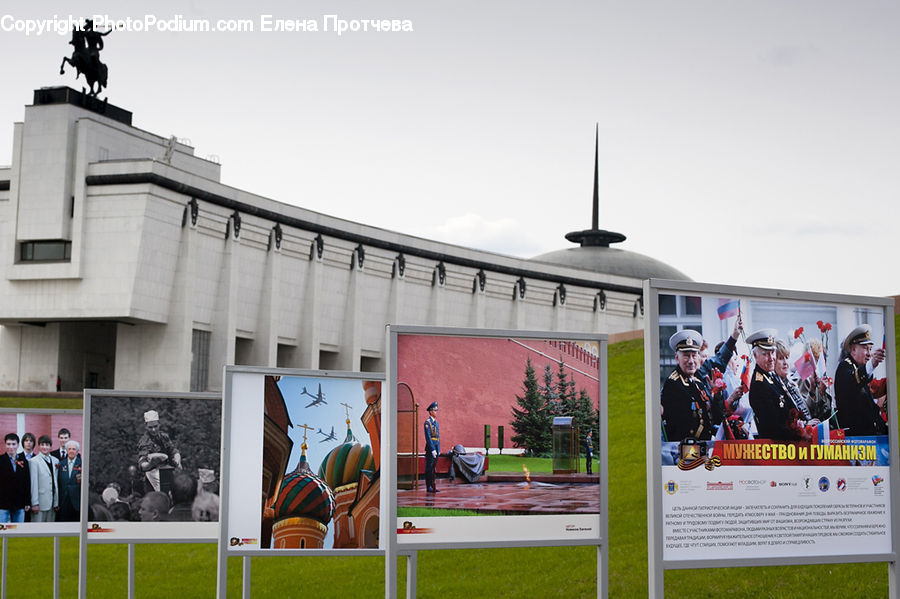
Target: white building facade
127, 264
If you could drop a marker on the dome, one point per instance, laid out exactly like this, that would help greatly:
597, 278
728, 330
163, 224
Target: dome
613, 261
596, 255
343, 464
303, 494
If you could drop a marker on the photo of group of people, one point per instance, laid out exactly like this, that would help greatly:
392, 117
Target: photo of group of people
734, 369
153, 459
40, 471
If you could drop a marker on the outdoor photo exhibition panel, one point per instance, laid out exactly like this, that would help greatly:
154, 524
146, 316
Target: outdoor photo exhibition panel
150, 467
301, 463
505, 398
42, 469
775, 447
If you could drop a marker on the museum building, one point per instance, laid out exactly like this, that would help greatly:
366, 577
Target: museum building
128, 264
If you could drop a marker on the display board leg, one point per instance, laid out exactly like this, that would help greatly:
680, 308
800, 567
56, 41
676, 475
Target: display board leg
893, 581
82, 566
55, 567
245, 591
3, 571
411, 575
390, 575
601, 573
130, 570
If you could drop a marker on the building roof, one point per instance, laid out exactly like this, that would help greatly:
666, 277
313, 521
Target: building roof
304, 494
594, 253
613, 261
343, 464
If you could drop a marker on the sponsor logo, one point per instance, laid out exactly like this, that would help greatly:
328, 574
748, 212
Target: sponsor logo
410, 529
7, 526
824, 484
877, 480
841, 484
720, 486
671, 487
237, 542
773, 484
693, 455
752, 481
95, 527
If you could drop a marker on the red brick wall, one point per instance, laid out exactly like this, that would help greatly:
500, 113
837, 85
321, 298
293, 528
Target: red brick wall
475, 381
44, 424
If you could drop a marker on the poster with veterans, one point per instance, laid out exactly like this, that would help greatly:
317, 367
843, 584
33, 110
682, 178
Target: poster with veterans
774, 417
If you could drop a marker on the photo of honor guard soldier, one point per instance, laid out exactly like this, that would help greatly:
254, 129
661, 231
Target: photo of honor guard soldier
432, 447
857, 410
776, 414
686, 394
589, 450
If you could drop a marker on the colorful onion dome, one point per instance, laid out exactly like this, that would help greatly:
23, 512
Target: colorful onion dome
372, 391
343, 463
303, 494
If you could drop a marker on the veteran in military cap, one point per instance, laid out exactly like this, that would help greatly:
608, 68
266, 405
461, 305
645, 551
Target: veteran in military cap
686, 396
777, 418
857, 409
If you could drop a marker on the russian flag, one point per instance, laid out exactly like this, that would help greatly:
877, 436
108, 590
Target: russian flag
805, 366
823, 433
728, 308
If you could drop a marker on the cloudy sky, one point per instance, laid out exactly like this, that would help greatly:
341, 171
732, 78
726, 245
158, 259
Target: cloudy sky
749, 142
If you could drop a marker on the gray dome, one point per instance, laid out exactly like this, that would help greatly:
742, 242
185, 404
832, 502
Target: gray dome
596, 255
613, 261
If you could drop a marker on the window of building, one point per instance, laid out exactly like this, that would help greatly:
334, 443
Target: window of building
48, 250
200, 360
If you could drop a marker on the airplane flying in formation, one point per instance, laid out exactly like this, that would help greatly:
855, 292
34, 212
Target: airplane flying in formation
328, 436
317, 399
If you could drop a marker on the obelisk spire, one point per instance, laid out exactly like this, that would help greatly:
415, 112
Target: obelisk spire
595, 235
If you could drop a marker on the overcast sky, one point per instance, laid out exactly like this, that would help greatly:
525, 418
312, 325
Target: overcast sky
747, 142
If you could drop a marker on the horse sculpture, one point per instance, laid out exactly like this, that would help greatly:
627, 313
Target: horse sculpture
86, 57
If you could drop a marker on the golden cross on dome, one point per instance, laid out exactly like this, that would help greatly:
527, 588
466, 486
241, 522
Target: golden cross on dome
347, 408
305, 428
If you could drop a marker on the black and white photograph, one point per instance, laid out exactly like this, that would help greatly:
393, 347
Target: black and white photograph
152, 459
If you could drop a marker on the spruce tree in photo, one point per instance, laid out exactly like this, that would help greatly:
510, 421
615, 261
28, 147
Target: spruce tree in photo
565, 389
550, 394
531, 420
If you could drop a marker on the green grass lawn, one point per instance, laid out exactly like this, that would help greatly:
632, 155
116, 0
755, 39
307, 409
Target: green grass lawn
40, 403
412, 512
570, 572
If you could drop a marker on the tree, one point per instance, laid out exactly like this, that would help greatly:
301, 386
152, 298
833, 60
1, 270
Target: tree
531, 420
550, 394
565, 389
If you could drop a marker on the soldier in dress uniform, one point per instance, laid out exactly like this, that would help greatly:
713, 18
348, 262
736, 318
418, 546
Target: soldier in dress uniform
432, 446
589, 450
857, 410
777, 418
686, 395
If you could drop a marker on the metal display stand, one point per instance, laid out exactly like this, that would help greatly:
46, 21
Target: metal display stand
763, 306
244, 431
54, 530
526, 341
132, 533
